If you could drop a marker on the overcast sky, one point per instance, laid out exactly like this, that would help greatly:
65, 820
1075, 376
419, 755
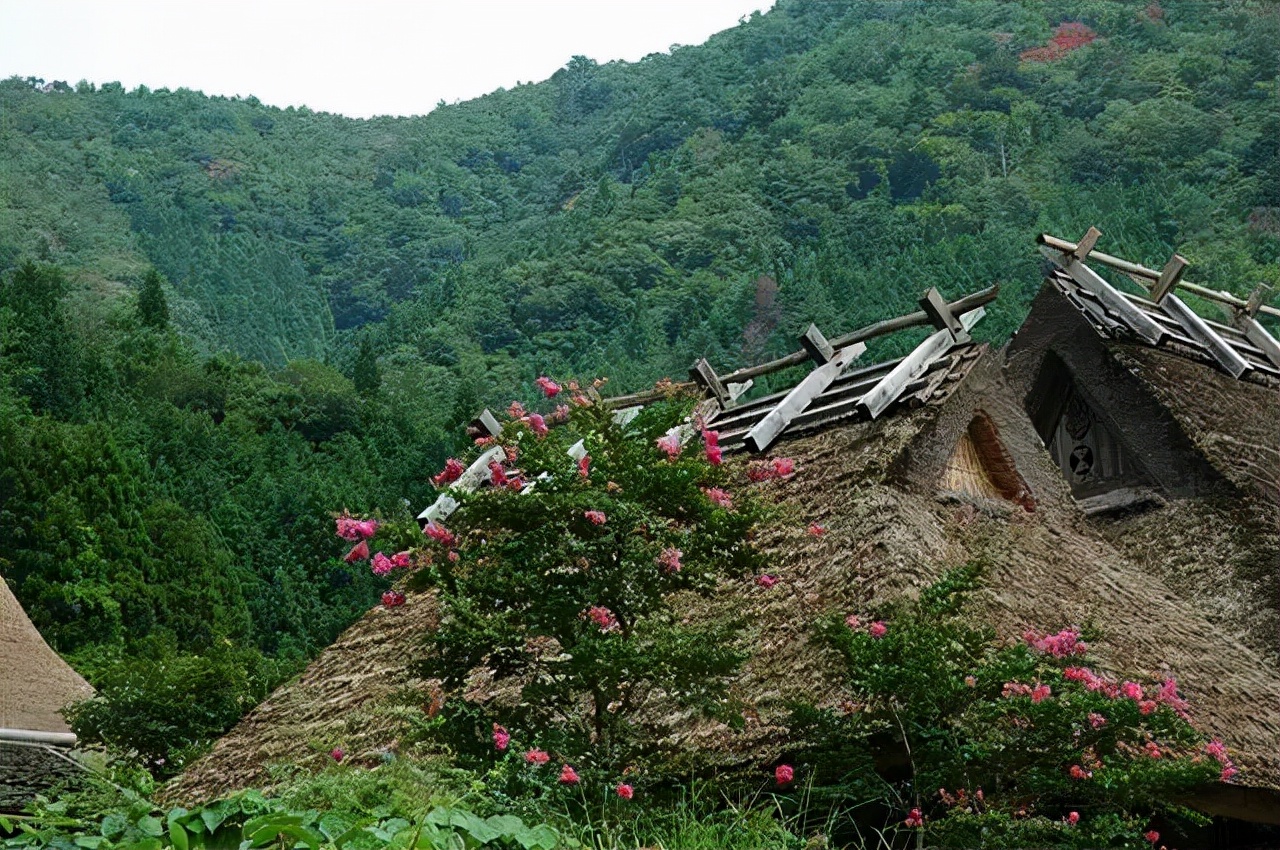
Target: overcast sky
356, 57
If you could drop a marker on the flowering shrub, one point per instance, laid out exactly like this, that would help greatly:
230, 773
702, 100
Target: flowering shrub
559, 585
1037, 748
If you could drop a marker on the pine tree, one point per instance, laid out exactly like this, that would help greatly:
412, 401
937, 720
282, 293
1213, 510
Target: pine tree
153, 308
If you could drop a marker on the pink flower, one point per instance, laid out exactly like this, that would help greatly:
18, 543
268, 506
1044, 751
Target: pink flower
669, 445
1064, 643
392, 599
537, 424
596, 517
580, 400
1147, 706
1168, 695
1015, 689
1216, 750
402, 559
1096, 720
1073, 818
853, 622
440, 534
497, 475
759, 470
1152, 749
561, 414
784, 774
454, 557
501, 738
719, 497
816, 530
549, 387
1151, 836
568, 776
584, 466
359, 552
877, 629
602, 617
515, 410
625, 791
1132, 690
452, 471
711, 444
337, 754
970, 682
1228, 771
1040, 693
382, 565
536, 756
914, 819
352, 529
1078, 772
766, 581
784, 467
669, 560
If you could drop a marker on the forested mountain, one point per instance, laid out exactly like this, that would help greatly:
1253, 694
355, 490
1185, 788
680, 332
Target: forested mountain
335, 296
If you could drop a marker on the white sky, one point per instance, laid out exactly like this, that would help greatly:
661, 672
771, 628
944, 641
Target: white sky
356, 57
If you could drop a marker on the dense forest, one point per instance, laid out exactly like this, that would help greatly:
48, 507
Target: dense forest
222, 321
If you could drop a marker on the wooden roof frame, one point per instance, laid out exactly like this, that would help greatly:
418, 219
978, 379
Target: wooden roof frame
1238, 349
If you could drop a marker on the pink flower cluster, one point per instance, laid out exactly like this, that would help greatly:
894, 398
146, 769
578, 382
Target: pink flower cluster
1078, 772
876, 629
816, 530
382, 565
784, 774
1218, 752
549, 387
1062, 645
719, 498
711, 443
440, 534
595, 517
501, 738
1038, 693
1165, 694
766, 581
568, 776
914, 819
351, 529
767, 470
605, 619
536, 756
392, 599
669, 560
452, 471
669, 445
584, 466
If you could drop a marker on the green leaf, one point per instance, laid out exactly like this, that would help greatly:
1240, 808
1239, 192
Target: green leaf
151, 826
178, 836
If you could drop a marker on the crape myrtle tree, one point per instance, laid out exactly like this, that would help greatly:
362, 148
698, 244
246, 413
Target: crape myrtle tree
560, 578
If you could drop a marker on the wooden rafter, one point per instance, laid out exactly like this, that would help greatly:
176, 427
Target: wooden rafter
1219, 349
1110, 298
794, 403
891, 386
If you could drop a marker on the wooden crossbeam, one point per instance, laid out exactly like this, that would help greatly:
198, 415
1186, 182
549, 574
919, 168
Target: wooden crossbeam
820, 351
486, 424
892, 385
1254, 304
940, 314
1084, 247
1219, 349
1114, 302
706, 377
794, 403
1257, 334
468, 482
1169, 277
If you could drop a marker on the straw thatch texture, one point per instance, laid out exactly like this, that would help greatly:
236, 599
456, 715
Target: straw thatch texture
35, 683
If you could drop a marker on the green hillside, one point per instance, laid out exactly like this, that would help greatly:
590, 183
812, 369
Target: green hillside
341, 294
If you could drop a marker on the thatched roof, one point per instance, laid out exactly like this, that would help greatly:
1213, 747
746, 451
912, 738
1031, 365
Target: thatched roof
35, 683
886, 492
